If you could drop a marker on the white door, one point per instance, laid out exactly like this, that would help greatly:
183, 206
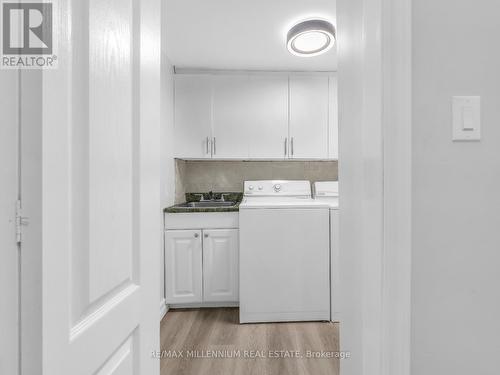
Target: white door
231, 112
220, 265
183, 266
267, 119
193, 116
101, 194
308, 117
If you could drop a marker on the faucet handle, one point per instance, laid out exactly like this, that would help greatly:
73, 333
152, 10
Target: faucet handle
202, 197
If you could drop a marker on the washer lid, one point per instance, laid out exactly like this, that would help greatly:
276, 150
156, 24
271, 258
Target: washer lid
326, 189
277, 188
281, 202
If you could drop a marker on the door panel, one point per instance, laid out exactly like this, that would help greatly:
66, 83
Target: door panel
121, 362
220, 265
101, 189
104, 162
309, 117
183, 266
110, 166
193, 116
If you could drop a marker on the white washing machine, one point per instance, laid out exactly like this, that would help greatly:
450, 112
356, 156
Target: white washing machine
328, 192
284, 253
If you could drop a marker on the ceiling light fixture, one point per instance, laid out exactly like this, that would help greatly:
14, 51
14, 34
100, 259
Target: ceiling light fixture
310, 38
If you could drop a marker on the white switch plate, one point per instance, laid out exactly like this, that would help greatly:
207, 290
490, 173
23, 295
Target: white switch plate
466, 118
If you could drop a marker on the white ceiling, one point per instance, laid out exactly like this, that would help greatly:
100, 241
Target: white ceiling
242, 35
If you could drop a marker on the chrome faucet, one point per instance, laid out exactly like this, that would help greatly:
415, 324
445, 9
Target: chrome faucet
202, 197
210, 197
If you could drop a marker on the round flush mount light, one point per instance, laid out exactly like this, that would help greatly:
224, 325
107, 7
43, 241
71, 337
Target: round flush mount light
310, 38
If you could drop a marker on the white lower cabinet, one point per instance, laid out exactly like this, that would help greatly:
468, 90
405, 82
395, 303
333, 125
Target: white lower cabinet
183, 266
201, 266
220, 265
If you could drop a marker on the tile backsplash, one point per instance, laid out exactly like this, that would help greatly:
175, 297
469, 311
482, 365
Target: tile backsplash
204, 176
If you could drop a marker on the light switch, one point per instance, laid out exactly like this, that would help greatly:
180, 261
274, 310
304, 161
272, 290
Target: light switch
466, 118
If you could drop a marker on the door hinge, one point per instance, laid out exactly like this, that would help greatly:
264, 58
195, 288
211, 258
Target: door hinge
20, 221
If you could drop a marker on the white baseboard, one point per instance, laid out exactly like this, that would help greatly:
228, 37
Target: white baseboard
163, 309
202, 305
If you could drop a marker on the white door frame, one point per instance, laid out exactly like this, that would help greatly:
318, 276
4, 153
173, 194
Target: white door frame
9, 253
375, 177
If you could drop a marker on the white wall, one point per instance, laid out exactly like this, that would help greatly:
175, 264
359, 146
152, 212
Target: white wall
167, 131
8, 196
456, 191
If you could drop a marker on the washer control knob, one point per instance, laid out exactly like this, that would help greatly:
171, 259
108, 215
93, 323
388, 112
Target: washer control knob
250, 187
260, 188
277, 188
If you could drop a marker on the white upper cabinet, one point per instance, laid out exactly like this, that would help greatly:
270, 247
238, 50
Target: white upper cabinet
231, 95
256, 116
193, 116
250, 116
308, 129
268, 117
333, 119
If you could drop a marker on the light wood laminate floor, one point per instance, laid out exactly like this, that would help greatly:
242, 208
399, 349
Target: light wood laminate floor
190, 337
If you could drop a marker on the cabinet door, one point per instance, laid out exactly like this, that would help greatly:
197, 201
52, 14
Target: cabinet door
268, 116
230, 116
309, 117
193, 116
183, 266
250, 116
333, 119
220, 265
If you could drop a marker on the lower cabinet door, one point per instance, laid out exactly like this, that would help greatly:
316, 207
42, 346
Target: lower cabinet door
183, 266
220, 265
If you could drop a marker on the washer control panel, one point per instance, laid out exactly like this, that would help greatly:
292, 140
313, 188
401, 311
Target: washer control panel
277, 187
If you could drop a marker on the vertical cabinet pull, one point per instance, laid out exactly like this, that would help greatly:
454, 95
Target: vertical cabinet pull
286, 142
208, 146
291, 145
215, 146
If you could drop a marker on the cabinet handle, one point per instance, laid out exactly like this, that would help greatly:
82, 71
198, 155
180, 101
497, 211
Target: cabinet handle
286, 142
196, 235
208, 148
215, 146
291, 145
206, 235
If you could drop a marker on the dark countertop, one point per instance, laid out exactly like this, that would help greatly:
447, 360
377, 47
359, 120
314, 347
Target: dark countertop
195, 197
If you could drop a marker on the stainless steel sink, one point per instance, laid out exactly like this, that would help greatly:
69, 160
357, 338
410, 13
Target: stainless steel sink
212, 204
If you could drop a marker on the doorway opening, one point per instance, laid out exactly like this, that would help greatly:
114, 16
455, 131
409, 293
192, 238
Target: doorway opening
241, 115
